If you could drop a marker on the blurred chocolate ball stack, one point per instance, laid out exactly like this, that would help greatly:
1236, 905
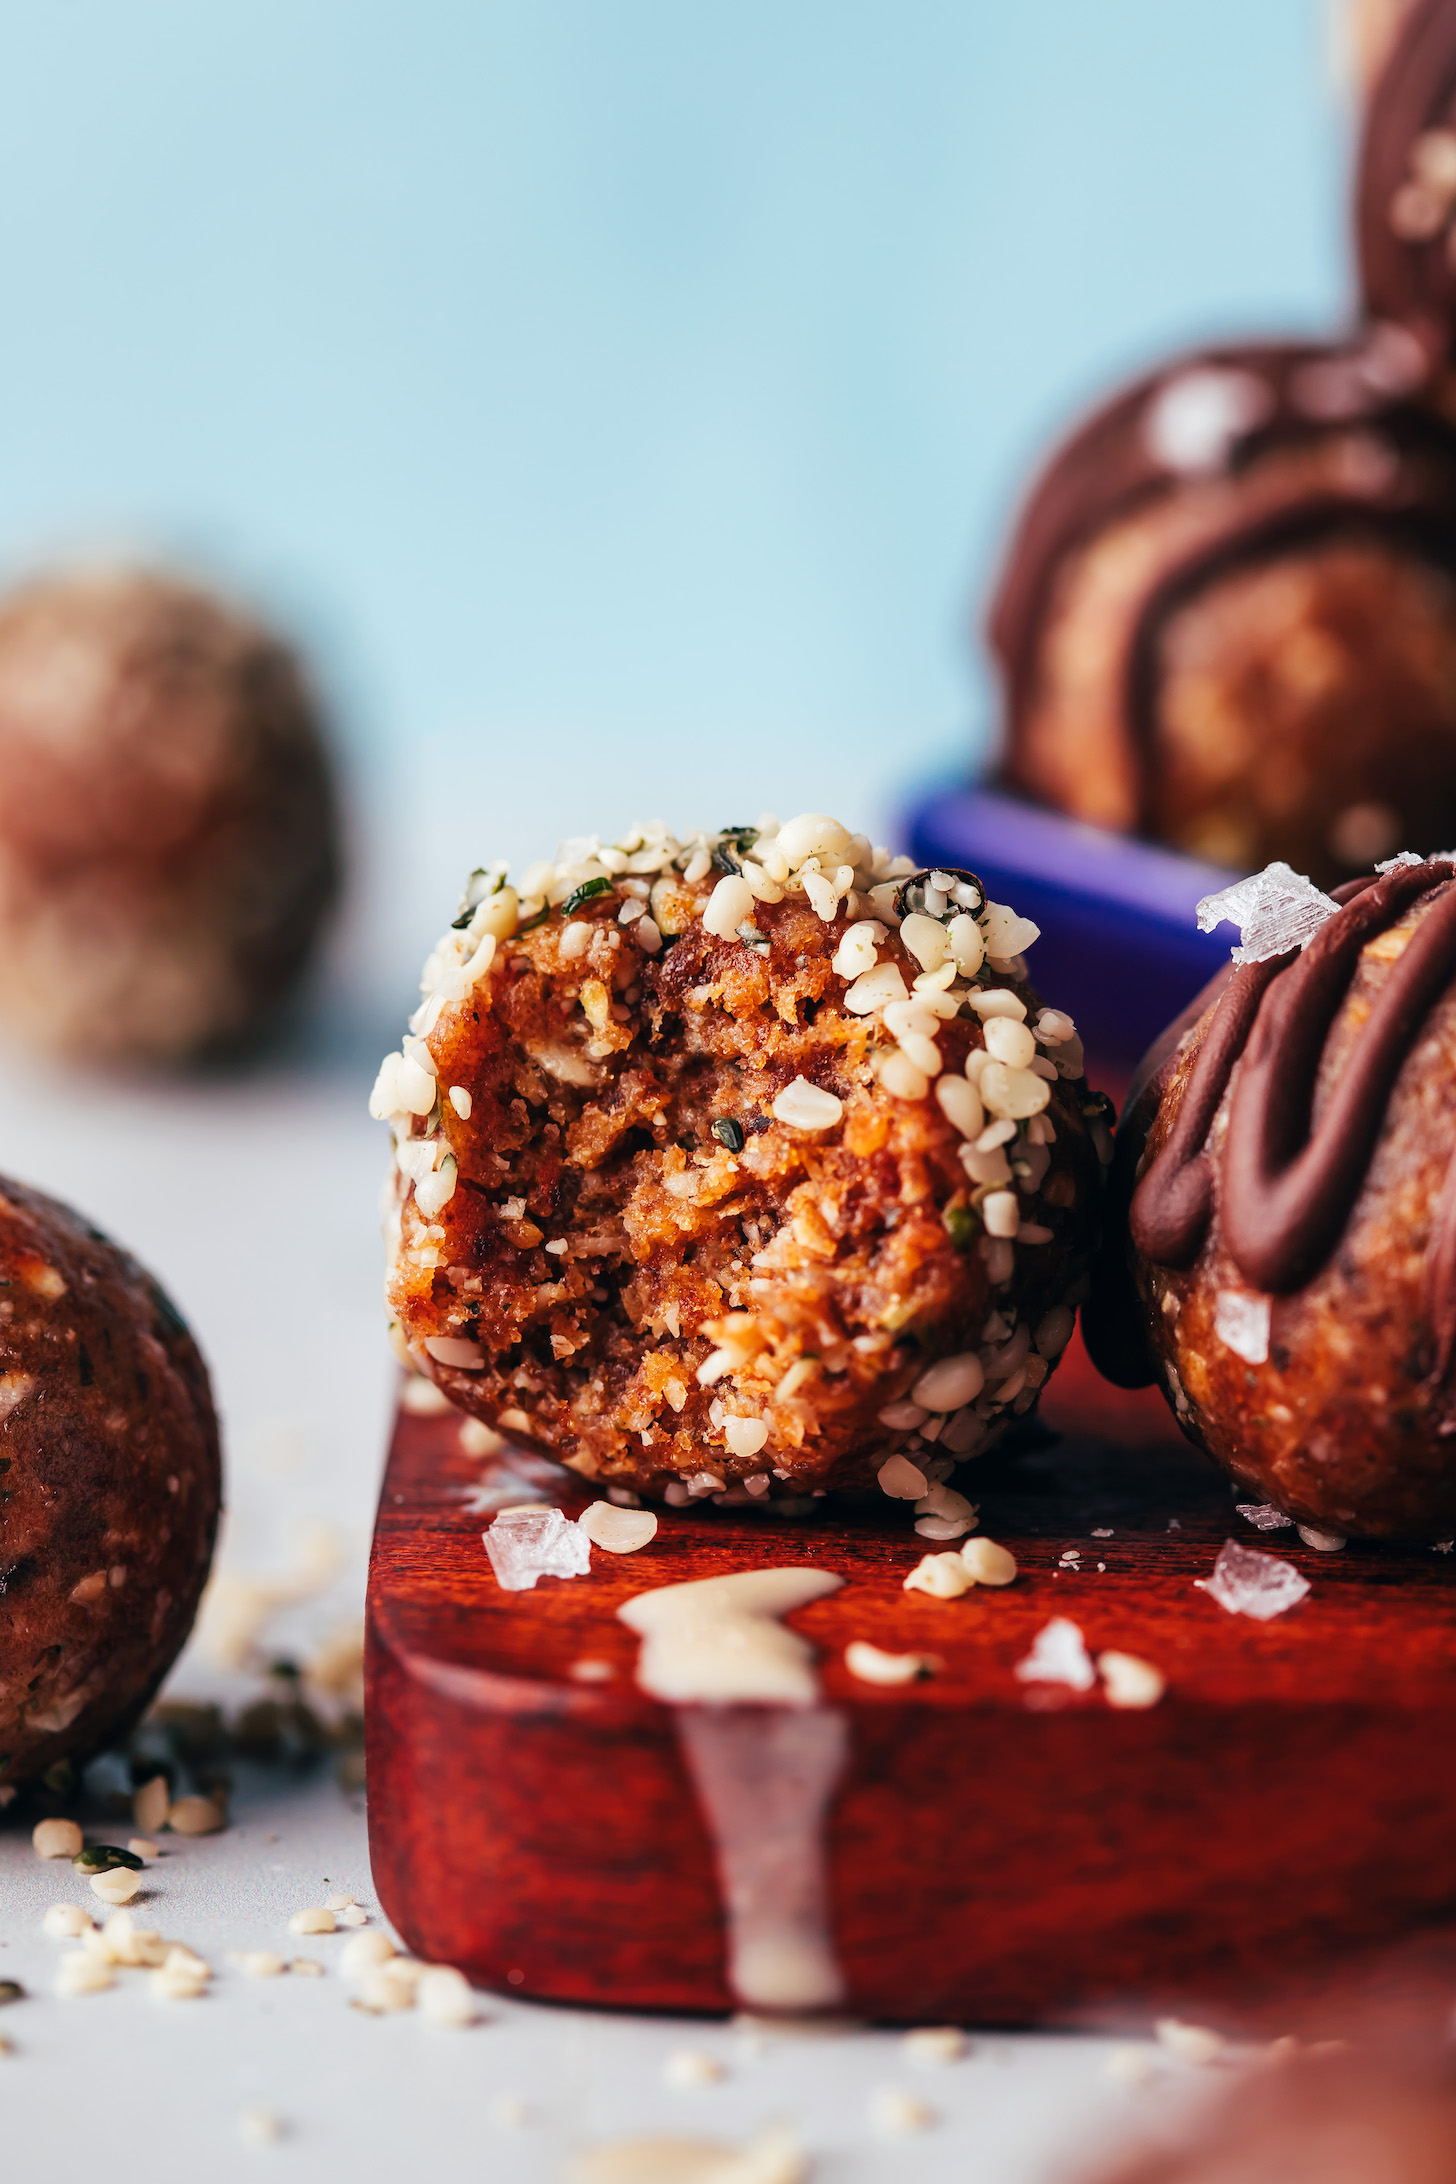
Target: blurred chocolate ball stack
168, 822
1226, 617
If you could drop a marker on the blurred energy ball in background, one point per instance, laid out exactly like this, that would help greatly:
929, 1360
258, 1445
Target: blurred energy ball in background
168, 827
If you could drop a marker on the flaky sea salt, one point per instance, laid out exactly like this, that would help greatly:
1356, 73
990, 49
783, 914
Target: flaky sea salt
1058, 1655
1275, 910
527, 1544
1246, 1581
1195, 418
1263, 1516
1241, 1321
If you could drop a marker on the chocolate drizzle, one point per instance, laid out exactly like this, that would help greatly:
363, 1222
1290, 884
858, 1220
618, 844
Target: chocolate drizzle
1287, 1186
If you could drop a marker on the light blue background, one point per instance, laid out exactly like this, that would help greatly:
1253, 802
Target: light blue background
624, 399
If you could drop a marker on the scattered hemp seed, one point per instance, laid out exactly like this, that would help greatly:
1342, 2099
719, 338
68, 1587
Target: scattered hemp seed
142, 1846
364, 1952
690, 2067
7, 2047
82, 1973
56, 1839
118, 1884
353, 1914
261, 1964
897, 2114
1129, 2066
1129, 1681
988, 1563
443, 1997
933, 2045
339, 1901
195, 1816
385, 1989
617, 1531
729, 1133
1196, 2044
261, 2127
944, 1577
11, 1991
67, 1921
314, 1920
871, 1665
305, 1968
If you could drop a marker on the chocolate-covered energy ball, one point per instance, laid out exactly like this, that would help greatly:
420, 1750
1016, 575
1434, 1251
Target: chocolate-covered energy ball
1326, 2115
1289, 1175
1227, 620
748, 1164
1405, 190
168, 835
109, 1486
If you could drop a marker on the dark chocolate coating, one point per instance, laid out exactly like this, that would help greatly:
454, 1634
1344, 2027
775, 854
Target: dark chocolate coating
110, 1485
1227, 617
1405, 188
1296, 1155
168, 831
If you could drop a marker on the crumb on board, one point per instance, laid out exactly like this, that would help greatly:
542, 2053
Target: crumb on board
935, 2045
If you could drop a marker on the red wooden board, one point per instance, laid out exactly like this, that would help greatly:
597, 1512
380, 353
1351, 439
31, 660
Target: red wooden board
996, 1853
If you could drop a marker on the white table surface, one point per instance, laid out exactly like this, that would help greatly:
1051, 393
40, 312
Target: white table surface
254, 1201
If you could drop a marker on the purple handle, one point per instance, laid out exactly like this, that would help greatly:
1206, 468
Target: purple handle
1120, 948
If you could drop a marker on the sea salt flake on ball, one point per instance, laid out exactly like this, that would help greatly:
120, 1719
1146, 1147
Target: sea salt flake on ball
1246, 1581
1058, 1655
1194, 420
527, 1544
1263, 1516
1242, 1322
1275, 910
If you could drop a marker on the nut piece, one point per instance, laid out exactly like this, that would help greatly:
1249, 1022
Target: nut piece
56, 1838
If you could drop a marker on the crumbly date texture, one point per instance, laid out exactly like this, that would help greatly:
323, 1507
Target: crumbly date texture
712, 1156
110, 1486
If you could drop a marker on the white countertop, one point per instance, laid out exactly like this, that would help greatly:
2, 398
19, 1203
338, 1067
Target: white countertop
254, 1201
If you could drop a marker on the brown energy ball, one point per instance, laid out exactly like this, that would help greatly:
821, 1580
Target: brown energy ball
1405, 188
1227, 619
1288, 1172
109, 1486
168, 836
1326, 2115
746, 1164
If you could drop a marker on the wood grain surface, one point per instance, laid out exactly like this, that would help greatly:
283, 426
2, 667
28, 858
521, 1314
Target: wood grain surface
999, 1852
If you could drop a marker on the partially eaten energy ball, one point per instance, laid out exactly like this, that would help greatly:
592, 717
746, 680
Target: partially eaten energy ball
168, 830
747, 1164
109, 1486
